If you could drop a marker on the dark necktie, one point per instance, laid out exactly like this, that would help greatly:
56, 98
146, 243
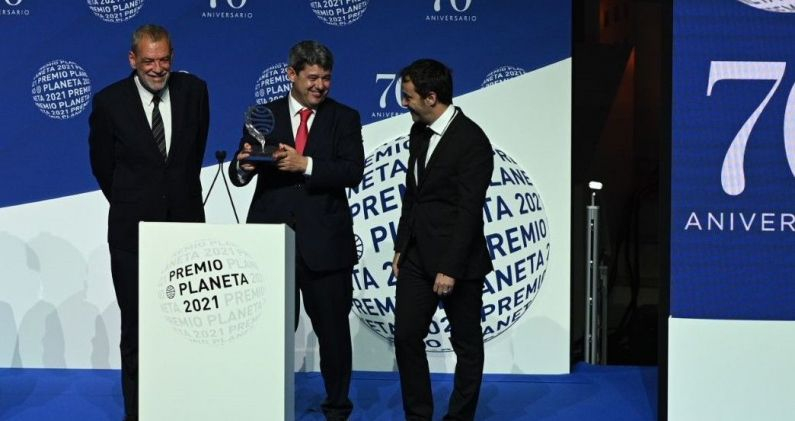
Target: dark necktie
157, 127
302, 136
425, 139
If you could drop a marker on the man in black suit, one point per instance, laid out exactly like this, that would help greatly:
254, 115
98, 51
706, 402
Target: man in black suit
319, 154
440, 251
147, 138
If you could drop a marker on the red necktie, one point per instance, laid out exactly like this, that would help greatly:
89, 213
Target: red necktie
303, 131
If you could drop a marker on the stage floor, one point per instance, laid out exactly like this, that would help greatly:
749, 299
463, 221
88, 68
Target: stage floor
594, 393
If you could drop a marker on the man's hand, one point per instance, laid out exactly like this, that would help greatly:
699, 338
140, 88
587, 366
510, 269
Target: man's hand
288, 159
245, 153
395, 268
443, 285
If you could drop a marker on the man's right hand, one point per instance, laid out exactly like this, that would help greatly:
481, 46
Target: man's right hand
245, 153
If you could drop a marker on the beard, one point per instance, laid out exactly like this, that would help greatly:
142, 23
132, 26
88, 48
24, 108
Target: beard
415, 116
152, 86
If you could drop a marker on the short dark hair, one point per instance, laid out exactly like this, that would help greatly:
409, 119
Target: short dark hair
429, 75
151, 31
310, 53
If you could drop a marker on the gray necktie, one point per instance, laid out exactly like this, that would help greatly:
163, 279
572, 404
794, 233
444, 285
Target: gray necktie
157, 127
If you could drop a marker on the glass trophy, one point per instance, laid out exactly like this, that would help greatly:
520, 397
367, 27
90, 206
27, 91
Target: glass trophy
259, 123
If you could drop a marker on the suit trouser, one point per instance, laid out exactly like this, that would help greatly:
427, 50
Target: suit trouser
328, 298
124, 270
415, 306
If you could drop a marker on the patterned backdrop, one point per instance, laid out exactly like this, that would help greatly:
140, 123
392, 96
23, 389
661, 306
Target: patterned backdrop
511, 63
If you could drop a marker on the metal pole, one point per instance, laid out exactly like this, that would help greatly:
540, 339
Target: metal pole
592, 301
603, 314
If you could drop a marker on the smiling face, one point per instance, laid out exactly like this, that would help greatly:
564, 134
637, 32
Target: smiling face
421, 108
152, 63
310, 85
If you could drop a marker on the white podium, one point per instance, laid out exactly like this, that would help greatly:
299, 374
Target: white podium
216, 316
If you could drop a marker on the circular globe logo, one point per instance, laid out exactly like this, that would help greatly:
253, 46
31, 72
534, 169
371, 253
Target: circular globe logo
339, 12
61, 89
501, 74
516, 230
778, 6
272, 84
115, 11
211, 292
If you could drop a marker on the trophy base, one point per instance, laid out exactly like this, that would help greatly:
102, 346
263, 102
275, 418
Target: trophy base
258, 158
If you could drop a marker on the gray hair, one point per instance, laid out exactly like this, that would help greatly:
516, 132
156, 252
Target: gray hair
152, 32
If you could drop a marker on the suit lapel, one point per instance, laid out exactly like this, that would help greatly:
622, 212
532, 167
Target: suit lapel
321, 124
139, 119
283, 131
177, 116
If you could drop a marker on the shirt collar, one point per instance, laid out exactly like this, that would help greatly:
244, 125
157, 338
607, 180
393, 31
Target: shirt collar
147, 96
441, 123
295, 106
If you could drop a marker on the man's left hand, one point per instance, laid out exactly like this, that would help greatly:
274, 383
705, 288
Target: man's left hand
288, 159
443, 285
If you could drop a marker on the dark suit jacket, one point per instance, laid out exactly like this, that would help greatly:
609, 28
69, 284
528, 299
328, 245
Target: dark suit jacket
316, 206
443, 216
131, 172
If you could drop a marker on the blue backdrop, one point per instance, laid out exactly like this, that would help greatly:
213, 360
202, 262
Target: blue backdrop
56, 54
733, 211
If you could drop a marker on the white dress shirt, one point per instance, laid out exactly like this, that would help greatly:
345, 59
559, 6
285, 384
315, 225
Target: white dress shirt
295, 121
438, 127
165, 109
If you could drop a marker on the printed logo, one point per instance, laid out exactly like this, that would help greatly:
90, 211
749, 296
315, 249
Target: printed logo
359, 246
777, 6
115, 11
211, 292
13, 8
501, 74
61, 89
451, 11
339, 12
732, 174
227, 9
390, 100
272, 84
517, 235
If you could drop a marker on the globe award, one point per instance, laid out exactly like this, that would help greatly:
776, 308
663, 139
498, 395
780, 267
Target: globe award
259, 123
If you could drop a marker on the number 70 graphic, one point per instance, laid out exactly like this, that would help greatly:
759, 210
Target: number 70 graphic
732, 175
